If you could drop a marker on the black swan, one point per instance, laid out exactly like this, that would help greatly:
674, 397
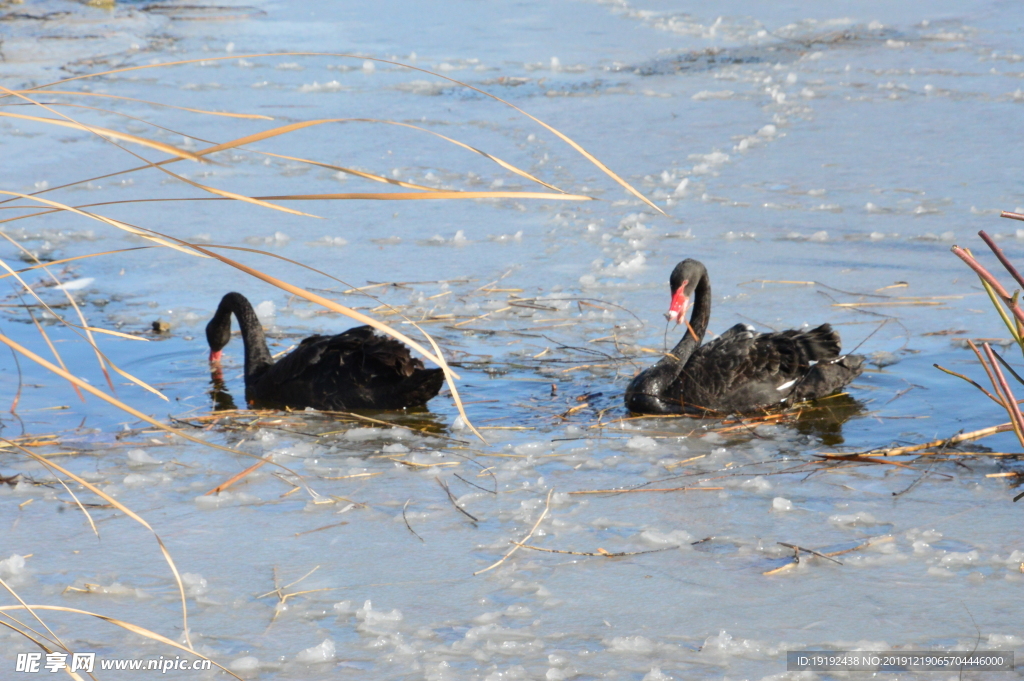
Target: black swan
357, 369
741, 370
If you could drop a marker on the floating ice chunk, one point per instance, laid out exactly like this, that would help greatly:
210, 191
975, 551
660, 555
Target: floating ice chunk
422, 87
324, 652
266, 309
782, 504
656, 675
680, 189
738, 236
674, 538
210, 502
531, 448
195, 585
12, 567
768, 131
329, 241
140, 457
361, 434
1000, 641
956, 558
712, 94
289, 66
245, 665
76, 284
853, 519
631, 644
330, 86
370, 616
397, 448
275, 239
758, 484
1015, 558
369, 66
631, 265
642, 443
459, 423
140, 480
940, 572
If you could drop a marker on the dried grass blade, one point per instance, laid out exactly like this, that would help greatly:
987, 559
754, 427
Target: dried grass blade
53, 350
51, 263
121, 405
219, 192
79, 93
428, 196
53, 637
517, 545
565, 138
131, 514
101, 357
956, 439
504, 164
134, 628
113, 223
235, 478
106, 132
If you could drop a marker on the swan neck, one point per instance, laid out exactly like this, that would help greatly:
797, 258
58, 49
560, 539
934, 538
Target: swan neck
257, 354
698, 320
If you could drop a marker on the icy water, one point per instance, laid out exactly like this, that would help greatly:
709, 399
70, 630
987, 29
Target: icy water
820, 158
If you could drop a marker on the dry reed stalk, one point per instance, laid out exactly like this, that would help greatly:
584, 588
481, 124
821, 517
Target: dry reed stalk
827, 556
987, 277
517, 544
942, 444
607, 171
128, 626
131, 514
1011, 402
648, 489
601, 553
235, 478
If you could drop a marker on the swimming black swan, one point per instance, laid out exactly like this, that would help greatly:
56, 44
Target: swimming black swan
741, 370
357, 369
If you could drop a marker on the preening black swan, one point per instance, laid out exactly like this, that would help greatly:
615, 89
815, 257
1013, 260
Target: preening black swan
741, 370
357, 369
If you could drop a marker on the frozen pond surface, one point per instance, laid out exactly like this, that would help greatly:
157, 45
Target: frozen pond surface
819, 158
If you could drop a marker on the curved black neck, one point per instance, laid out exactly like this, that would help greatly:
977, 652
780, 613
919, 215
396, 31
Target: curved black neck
257, 354
698, 321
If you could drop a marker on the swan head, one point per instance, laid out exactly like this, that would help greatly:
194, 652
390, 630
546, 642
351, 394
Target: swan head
218, 331
682, 283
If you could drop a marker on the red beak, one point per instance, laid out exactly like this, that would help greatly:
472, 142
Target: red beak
215, 356
677, 310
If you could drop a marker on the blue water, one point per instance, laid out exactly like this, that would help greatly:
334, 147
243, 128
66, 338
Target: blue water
812, 155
